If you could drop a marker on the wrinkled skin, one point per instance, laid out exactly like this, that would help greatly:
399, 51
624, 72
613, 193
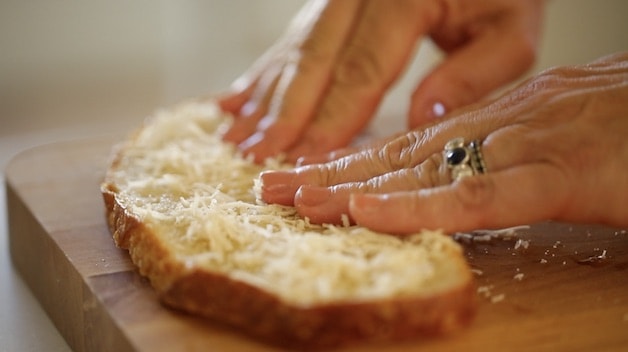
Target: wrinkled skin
555, 149
321, 83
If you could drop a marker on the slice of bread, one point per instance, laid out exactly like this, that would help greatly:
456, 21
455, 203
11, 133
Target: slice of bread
184, 204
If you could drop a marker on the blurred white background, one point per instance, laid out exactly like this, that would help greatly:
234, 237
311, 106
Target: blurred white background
71, 69
69, 62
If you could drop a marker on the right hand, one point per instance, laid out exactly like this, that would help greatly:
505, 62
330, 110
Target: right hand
555, 149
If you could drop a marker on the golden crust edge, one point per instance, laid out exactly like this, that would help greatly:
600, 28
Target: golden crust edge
264, 316
327, 325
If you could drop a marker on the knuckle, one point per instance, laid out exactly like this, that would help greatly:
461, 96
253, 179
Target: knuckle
432, 172
546, 84
329, 173
333, 107
317, 175
359, 66
310, 56
306, 64
375, 184
474, 193
399, 153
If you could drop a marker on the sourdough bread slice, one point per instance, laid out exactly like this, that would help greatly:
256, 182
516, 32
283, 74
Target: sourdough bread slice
184, 204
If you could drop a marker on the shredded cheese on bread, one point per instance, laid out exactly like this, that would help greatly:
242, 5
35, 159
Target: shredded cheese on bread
195, 196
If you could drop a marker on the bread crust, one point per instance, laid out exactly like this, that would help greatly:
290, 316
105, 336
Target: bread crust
264, 316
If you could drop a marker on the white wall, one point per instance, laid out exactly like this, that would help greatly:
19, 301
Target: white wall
66, 62
69, 61
578, 31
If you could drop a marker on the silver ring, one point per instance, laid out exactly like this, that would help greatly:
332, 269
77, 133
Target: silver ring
464, 159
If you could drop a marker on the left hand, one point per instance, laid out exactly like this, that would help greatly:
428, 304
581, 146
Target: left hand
321, 83
555, 149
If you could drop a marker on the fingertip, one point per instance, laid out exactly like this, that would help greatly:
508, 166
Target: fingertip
260, 147
277, 187
232, 101
426, 112
236, 96
273, 136
236, 133
226, 102
431, 100
245, 125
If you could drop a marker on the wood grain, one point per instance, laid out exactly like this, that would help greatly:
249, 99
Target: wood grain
567, 291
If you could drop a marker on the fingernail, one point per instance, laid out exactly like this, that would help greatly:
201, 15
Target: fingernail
252, 140
240, 85
425, 113
302, 160
312, 196
248, 109
438, 110
277, 187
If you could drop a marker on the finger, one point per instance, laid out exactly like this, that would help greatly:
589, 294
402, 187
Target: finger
242, 88
342, 152
369, 63
245, 87
281, 186
329, 204
256, 106
501, 151
233, 101
491, 59
506, 148
516, 196
473, 123
402, 152
304, 79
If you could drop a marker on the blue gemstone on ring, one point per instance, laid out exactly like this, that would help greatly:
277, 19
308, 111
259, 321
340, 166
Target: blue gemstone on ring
456, 156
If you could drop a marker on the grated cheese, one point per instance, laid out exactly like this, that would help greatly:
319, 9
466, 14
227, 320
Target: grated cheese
178, 174
498, 298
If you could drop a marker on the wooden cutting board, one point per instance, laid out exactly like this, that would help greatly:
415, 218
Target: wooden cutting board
551, 287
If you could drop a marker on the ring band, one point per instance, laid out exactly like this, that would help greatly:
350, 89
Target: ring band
464, 160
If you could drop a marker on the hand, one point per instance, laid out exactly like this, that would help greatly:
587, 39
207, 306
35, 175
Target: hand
555, 149
320, 84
